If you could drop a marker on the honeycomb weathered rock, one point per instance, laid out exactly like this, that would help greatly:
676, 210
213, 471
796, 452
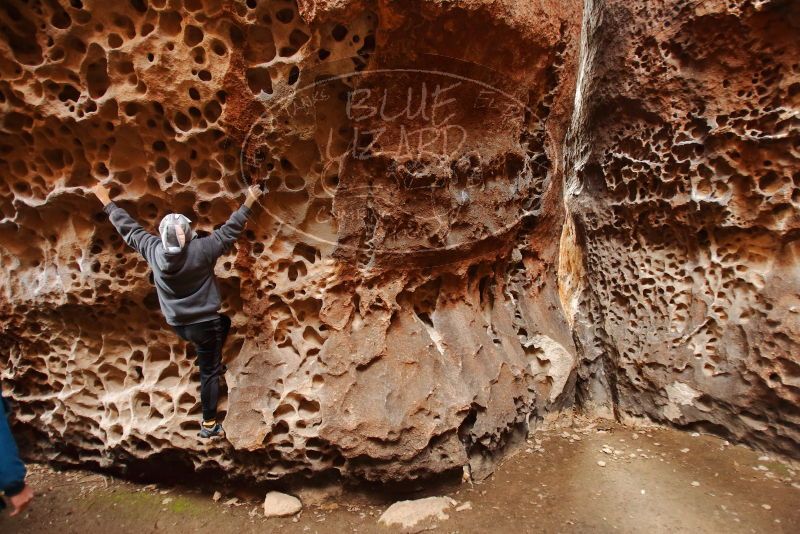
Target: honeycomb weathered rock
481, 214
686, 189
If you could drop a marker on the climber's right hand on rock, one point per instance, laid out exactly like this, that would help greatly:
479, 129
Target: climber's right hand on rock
101, 193
253, 194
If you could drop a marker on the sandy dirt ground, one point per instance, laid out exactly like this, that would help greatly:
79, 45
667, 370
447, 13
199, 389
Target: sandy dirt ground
591, 478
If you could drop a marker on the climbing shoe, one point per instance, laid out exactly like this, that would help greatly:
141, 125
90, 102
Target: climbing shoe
210, 429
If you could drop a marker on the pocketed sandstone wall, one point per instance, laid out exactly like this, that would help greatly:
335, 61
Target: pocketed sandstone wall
481, 216
684, 188
395, 302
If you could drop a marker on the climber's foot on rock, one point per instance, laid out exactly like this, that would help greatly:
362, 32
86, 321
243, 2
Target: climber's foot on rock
211, 429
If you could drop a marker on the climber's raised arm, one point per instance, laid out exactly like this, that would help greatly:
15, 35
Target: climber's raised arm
131, 231
221, 239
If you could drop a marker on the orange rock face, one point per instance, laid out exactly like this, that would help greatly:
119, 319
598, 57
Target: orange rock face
482, 215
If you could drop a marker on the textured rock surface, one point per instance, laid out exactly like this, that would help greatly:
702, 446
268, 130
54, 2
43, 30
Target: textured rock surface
685, 191
482, 214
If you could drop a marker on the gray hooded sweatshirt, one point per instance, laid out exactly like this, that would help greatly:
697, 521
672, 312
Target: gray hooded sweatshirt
185, 283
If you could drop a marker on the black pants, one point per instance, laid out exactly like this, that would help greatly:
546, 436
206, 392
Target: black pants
208, 338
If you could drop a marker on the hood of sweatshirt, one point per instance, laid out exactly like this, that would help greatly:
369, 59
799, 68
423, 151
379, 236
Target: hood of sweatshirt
176, 233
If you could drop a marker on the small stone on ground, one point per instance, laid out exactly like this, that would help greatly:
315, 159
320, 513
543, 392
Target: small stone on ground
278, 504
464, 506
408, 514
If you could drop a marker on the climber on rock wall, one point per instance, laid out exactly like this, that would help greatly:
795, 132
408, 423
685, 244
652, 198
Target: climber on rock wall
183, 273
12, 470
